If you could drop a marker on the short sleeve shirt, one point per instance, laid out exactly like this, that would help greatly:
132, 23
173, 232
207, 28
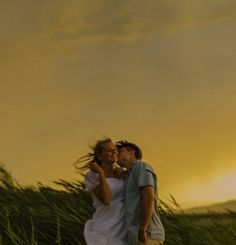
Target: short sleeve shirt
140, 175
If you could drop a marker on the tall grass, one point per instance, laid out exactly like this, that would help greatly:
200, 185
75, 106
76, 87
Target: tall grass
41, 215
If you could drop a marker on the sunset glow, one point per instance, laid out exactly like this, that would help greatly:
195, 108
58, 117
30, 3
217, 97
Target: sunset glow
161, 75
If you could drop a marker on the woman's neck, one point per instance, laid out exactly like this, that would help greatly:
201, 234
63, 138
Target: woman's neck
108, 169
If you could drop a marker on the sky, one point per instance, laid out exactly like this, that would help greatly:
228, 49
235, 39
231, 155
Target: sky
160, 74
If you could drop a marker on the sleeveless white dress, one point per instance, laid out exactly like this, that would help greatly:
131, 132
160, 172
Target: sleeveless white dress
107, 224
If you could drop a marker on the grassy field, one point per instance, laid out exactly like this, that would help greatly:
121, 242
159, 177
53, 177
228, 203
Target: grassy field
40, 215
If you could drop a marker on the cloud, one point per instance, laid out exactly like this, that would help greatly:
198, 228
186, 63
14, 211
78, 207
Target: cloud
61, 24
127, 21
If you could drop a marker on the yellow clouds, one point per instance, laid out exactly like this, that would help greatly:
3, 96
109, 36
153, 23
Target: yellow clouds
127, 21
174, 94
76, 22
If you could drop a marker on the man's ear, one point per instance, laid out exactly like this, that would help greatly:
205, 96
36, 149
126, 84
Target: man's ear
133, 153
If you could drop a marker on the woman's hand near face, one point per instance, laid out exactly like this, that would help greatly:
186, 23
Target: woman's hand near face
93, 166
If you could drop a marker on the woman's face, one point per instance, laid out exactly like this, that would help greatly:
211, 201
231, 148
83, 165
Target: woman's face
109, 153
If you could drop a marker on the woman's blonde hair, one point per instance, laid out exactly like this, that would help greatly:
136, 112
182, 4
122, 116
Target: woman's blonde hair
92, 156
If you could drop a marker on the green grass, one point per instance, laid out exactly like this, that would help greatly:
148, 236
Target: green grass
41, 215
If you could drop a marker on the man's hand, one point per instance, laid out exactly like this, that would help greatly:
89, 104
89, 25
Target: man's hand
142, 236
120, 173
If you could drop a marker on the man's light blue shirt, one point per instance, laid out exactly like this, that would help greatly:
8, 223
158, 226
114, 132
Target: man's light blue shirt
140, 175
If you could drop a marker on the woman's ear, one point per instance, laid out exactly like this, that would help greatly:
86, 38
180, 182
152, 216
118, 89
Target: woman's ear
99, 156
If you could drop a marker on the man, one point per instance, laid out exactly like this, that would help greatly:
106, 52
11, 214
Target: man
143, 222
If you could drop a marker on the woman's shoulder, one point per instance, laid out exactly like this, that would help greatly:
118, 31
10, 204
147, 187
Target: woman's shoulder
91, 180
90, 176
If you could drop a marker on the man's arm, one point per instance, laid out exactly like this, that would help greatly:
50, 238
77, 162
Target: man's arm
147, 207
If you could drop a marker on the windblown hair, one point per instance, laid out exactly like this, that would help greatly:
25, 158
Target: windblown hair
130, 146
92, 156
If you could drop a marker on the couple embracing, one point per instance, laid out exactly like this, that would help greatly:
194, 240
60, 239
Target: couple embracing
125, 197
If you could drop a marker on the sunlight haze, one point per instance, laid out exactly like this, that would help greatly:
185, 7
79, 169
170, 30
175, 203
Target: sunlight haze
159, 74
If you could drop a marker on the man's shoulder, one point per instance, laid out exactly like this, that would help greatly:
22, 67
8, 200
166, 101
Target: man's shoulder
142, 166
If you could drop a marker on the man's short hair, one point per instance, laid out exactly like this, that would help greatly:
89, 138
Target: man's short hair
130, 146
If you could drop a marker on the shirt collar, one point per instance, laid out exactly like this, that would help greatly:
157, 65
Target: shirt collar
133, 164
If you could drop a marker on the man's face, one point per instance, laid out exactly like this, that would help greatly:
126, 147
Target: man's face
124, 157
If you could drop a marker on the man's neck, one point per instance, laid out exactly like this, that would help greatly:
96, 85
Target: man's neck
130, 164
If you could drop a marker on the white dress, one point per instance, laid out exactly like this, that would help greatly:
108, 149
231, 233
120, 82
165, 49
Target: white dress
107, 225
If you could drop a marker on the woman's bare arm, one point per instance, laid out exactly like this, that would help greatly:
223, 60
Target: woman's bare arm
101, 191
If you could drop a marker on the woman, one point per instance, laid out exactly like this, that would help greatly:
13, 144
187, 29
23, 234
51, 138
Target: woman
107, 190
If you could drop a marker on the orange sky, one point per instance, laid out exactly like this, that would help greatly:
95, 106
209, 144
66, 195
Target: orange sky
160, 74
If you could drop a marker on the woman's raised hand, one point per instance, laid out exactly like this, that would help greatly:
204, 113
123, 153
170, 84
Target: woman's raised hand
93, 166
